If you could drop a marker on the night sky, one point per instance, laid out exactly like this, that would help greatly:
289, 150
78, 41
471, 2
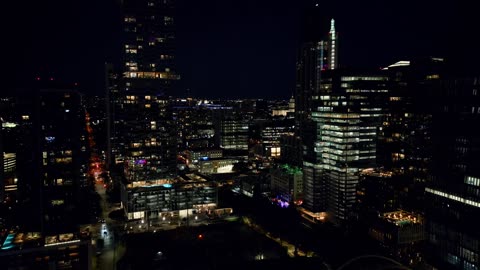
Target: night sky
232, 48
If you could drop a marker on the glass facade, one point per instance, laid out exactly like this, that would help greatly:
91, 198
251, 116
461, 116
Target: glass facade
345, 137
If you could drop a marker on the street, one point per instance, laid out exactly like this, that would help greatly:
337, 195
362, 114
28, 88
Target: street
106, 231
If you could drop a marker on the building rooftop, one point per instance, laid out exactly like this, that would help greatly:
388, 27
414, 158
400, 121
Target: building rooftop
169, 183
402, 218
16, 240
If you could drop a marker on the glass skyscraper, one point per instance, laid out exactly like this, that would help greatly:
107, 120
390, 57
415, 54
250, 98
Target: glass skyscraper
346, 116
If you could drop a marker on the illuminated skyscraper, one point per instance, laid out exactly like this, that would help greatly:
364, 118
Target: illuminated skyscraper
149, 46
144, 131
313, 58
143, 122
316, 56
345, 120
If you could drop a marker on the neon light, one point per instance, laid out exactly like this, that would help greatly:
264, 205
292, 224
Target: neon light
140, 162
7, 244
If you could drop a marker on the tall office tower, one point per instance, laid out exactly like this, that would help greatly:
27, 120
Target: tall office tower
453, 196
144, 127
313, 58
347, 115
405, 145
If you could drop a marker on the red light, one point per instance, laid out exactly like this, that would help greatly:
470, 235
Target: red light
51, 79
200, 236
38, 78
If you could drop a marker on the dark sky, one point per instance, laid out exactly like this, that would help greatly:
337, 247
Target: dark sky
233, 48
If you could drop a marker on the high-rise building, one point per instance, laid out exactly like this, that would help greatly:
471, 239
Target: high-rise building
112, 81
144, 131
346, 118
453, 192
317, 55
149, 47
143, 121
49, 141
405, 137
313, 58
63, 146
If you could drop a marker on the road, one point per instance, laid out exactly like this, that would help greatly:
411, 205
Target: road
112, 250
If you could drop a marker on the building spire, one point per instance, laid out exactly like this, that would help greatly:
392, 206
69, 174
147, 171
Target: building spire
332, 53
332, 27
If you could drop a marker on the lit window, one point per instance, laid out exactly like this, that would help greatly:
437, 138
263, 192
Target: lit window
130, 19
433, 76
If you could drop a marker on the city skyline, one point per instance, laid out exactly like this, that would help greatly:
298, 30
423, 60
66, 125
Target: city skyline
138, 133
220, 42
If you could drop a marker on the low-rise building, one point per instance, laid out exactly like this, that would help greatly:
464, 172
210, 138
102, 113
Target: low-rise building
287, 183
149, 199
401, 232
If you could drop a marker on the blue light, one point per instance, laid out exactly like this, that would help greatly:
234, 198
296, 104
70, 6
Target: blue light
140, 162
167, 185
8, 242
